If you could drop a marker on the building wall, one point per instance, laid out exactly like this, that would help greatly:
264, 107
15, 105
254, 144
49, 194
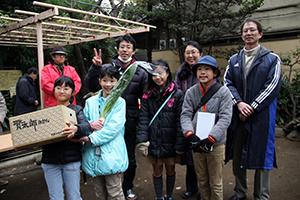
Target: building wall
169, 56
278, 15
280, 20
281, 47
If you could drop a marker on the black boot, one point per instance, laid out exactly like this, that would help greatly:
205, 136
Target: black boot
158, 186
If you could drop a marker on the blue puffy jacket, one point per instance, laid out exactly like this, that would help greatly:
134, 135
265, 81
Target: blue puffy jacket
263, 86
131, 94
113, 153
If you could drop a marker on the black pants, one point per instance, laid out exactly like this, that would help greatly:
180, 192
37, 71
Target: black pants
129, 174
191, 179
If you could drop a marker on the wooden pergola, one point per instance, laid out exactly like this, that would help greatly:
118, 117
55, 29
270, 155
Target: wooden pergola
47, 29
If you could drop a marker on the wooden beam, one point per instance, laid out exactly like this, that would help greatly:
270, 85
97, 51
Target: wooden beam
104, 36
51, 30
23, 43
72, 20
30, 20
90, 13
17, 36
75, 27
40, 52
10, 18
26, 12
88, 22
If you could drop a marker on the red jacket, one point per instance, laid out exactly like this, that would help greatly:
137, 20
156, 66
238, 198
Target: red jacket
50, 74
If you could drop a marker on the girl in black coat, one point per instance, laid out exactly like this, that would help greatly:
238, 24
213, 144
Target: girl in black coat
61, 161
160, 139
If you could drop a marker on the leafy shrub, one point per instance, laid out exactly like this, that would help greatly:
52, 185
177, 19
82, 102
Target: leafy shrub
288, 106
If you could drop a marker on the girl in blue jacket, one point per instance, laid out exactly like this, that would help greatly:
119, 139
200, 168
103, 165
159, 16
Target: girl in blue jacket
104, 152
162, 139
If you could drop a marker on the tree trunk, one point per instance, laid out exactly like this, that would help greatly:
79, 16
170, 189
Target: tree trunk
81, 72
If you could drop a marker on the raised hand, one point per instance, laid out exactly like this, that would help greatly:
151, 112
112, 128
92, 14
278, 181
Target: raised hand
97, 58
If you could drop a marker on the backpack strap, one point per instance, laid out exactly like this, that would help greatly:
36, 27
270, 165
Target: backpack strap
214, 88
161, 107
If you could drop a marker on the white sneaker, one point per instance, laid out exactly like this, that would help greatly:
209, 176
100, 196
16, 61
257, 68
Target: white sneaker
130, 195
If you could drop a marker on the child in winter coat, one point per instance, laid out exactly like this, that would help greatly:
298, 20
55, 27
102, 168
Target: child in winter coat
104, 152
208, 153
61, 161
160, 138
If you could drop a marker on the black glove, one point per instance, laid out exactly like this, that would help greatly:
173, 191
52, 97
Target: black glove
193, 140
198, 150
207, 143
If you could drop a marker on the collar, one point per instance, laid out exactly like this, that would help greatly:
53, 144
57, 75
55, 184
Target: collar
204, 90
251, 52
169, 89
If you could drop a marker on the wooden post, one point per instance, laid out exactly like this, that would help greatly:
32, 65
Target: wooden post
40, 53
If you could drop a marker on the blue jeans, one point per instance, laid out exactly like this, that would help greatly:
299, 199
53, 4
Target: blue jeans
58, 175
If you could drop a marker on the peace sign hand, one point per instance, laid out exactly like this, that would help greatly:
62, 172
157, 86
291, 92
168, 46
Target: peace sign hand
97, 58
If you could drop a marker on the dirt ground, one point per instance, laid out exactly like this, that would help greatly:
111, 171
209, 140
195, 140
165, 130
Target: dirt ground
27, 182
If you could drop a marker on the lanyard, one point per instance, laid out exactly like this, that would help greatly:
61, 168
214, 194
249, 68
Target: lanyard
161, 107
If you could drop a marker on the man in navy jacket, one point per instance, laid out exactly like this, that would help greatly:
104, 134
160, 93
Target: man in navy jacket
253, 76
26, 100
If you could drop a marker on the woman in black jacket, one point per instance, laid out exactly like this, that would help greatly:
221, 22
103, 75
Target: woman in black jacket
160, 138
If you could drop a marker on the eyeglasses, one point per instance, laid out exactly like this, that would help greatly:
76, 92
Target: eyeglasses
64, 89
245, 30
191, 52
125, 46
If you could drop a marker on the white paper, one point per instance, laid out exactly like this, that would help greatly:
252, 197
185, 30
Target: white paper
205, 122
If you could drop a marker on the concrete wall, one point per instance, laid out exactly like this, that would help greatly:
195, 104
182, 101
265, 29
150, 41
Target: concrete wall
170, 57
276, 16
279, 14
281, 47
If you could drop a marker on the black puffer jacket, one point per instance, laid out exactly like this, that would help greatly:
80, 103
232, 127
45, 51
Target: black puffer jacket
25, 97
66, 151
131, 94
164, 134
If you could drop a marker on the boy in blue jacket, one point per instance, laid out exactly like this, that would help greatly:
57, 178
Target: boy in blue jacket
104, 152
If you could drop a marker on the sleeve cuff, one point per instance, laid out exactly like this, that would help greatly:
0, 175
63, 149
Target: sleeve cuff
189, 133
212, 139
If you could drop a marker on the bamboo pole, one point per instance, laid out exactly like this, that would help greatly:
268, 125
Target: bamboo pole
90, 13
72, 20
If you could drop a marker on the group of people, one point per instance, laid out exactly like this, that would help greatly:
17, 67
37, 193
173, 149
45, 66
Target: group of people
164, 127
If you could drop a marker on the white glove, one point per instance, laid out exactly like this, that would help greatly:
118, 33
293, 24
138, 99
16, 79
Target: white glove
143, 148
